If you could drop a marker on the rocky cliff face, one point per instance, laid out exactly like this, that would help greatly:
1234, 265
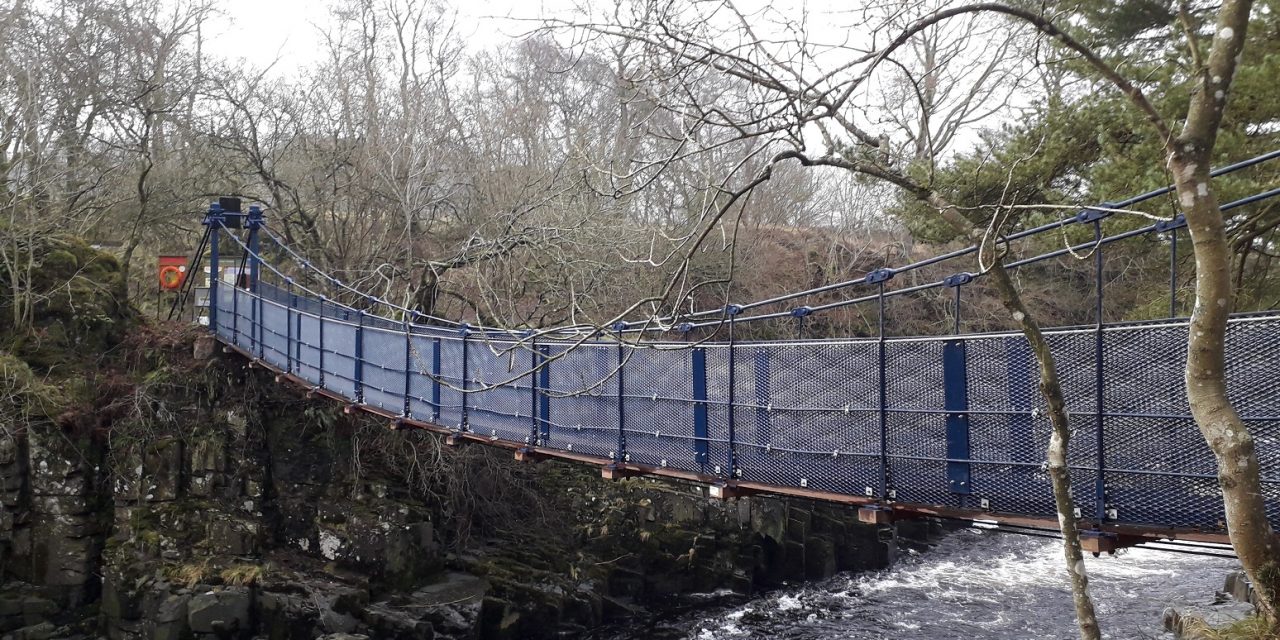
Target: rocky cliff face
164, 489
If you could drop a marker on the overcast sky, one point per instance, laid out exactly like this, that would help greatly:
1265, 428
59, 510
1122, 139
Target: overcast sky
287, 33
262, 30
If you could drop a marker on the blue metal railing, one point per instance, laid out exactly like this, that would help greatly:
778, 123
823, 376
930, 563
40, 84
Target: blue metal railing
953, 421
960, 423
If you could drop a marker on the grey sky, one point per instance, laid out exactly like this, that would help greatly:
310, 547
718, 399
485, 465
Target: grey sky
259, 31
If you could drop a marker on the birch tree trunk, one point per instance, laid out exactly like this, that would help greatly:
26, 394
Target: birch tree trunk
1059, 439
1190, 155
1059, 468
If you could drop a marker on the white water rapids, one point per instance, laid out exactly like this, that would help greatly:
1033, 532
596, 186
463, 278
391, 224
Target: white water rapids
974, 584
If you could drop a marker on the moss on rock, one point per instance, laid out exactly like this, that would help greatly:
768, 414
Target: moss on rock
79, 303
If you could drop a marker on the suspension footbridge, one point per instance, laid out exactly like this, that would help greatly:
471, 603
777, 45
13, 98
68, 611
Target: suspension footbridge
950, 425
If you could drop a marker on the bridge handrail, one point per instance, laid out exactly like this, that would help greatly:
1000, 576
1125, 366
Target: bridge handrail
1159, 227
334, 281
1050, 226
667, 323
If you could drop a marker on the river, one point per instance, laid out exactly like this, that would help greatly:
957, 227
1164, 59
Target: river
974, 584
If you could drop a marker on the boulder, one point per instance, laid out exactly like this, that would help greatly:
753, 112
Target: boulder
221, 611
1237, 586
205, 347
42, 631
170, 618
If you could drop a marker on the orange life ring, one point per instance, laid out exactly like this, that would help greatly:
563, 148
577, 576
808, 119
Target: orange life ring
170, 277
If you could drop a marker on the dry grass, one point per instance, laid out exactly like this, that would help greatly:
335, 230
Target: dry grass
189, 574
243, 575
1248, 628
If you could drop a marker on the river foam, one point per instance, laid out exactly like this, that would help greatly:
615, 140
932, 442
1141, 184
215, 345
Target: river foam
974, 584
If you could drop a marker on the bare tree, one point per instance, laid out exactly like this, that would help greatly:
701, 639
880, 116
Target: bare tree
796, 93
164, 77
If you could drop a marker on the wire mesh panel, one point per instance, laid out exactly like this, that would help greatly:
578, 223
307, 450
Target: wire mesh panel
1253, 360
274, 336
339, 358
224, 318
718, 405
308, 360
451, 396
503, 409
1253, 383
819, 425
658, 409
583, 399
240, 313
383, 369
1075, 355
1159, 468
423, 359
915, 397
1009, 433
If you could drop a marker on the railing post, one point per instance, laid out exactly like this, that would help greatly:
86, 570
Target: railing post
1173, 273
800, 313
320, 331
435, 380
297, 334
620, 455
253, 222
732, 471
882, 402
1171, 227
955, 377
257, 315
465, 330
956, 329
700, 443
255, 326
288, 328
533, 388
955, 282
544, 398
213, 219
1100, 483
407, 409
359, 357
235, 311
878, 278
